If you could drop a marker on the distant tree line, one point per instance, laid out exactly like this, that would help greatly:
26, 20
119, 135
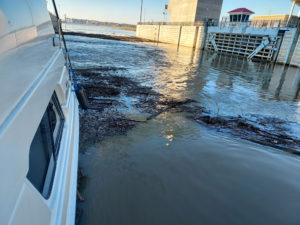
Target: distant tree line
91, 22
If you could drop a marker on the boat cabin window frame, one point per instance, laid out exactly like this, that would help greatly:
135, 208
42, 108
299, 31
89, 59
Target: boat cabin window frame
44, 149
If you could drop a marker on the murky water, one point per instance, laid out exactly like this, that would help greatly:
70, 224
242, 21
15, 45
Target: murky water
172, 170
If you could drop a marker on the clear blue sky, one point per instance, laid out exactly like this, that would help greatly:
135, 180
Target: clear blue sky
127, 11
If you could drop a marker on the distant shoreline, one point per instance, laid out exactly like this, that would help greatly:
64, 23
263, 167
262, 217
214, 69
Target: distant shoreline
123, 27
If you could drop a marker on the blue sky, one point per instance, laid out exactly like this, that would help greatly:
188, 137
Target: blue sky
127, 11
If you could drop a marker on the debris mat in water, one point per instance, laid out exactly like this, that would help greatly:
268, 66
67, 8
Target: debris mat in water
104, 117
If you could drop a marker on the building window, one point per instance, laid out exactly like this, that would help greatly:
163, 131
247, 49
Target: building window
44, 148
235, 18
243, 18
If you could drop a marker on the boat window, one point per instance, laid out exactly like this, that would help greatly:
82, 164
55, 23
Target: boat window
44, 148
56, 118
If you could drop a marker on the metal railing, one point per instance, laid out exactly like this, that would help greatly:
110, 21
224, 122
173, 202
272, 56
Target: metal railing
227, 23
261, 24
198, 23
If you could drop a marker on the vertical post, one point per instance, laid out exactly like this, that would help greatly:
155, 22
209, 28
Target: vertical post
292, 10
293, 44
205, 32
141, 13
179, 37
59, 32
158, 33
196, 37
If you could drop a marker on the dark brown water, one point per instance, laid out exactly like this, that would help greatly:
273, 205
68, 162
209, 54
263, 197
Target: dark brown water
172, 170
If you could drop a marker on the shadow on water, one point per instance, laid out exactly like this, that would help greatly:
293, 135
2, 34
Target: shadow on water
152, 153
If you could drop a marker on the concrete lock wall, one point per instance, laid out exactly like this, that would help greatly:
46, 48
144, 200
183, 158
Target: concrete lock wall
189, 36
194, 10
286, 46
150, 32
197, 37
200, 42
290, 48
183, 10
296, 57
170, 34
209, 9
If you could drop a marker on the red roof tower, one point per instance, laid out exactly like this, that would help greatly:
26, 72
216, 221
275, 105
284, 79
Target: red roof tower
240, 15
241, 10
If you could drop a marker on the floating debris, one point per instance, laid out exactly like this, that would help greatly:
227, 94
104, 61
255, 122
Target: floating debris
107, 115
109, 37
267, 131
